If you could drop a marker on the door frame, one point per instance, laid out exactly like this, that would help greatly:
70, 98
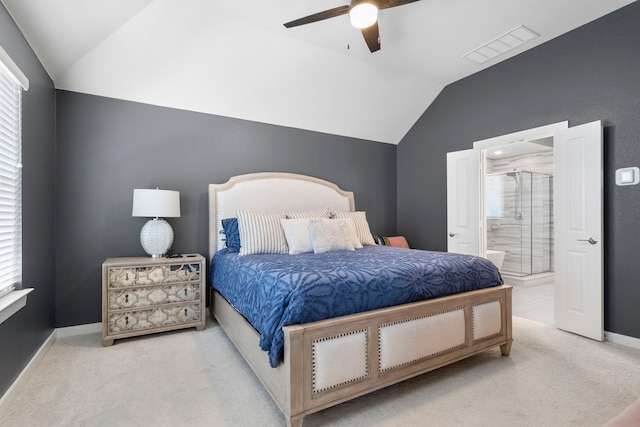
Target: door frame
486, 144
481, 148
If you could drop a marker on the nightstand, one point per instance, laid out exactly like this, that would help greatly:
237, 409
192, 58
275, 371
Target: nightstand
143, 295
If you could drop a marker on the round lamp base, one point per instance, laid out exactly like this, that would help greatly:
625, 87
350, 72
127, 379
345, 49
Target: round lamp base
156, 237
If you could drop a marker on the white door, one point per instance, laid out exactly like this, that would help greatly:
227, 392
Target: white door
463, 202
578, 230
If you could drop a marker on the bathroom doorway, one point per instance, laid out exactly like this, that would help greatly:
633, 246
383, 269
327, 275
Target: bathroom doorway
575, 203
518, 195
519, 223
517, 216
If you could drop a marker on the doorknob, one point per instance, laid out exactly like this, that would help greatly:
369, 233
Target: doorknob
453, 234
590, 240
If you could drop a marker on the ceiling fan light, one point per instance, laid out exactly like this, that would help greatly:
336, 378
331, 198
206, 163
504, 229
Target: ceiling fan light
363, 15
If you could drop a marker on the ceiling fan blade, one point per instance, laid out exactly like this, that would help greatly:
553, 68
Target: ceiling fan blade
393, 3
372, 37
331, 13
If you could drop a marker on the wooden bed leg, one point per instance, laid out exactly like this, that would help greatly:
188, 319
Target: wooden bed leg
294, 421
506, 348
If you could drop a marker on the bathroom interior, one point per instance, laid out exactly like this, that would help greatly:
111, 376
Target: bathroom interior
518, 200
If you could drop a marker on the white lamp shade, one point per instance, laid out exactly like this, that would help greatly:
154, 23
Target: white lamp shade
156, 203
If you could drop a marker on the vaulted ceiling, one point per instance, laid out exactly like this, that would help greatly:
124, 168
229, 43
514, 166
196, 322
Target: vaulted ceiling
235, 58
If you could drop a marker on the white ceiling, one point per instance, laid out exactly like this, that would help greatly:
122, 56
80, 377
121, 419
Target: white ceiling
234, 58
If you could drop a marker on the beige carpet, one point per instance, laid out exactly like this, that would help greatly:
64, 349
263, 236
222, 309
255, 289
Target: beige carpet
552, 378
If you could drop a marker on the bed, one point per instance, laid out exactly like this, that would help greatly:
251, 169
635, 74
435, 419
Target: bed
326, 362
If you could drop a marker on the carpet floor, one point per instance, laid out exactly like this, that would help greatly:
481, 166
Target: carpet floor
551, 378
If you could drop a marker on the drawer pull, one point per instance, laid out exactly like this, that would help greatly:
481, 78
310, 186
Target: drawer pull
185, 312
185, 292
126, 320
126, 298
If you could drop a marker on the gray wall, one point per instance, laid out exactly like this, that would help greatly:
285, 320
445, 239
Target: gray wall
23, 334
108, 147
79, 191
589, 74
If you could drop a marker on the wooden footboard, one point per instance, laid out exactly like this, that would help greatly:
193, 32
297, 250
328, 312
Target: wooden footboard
335, 360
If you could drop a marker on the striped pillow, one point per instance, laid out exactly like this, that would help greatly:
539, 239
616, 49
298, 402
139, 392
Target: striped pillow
261, 233
321, 213
362, 226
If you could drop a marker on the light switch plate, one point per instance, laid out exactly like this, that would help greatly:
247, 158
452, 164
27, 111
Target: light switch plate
627, 176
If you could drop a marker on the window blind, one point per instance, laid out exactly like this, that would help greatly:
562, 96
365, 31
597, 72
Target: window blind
10, 185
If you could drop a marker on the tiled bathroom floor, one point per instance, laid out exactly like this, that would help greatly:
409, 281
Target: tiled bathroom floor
534, 302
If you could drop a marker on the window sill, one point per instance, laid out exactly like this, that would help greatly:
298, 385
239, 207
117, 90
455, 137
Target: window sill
12, 302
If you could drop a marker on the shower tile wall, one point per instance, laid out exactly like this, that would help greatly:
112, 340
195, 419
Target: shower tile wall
506, 234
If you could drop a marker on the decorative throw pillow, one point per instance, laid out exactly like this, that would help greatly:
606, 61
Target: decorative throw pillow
261, 233
321, 213
362, 226
296, 231
352, 232
231, 234
328, 235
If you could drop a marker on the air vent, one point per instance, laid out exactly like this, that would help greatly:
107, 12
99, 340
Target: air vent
502, 44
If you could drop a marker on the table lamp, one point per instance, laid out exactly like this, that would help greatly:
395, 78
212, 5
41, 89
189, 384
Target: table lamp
156, 236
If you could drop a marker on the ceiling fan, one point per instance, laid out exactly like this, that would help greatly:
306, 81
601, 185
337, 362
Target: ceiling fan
363, 15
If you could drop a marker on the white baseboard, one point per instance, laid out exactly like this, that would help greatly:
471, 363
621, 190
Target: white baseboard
5, 400
532, 280
622, 340
72, 331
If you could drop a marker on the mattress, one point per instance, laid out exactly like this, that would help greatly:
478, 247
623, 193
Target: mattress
276, 290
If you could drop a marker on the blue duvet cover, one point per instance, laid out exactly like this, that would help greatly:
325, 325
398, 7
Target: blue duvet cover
272, 291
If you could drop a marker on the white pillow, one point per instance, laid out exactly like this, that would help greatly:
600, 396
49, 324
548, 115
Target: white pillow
362, 226
328, 235
352, 232
261, 233
321, 213
296, 231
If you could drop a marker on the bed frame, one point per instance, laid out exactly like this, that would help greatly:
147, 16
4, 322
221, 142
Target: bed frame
335, 360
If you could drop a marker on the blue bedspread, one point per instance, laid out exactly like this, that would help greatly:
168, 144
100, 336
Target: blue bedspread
273, 291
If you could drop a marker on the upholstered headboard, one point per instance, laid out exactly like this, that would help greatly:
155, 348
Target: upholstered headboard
271, 192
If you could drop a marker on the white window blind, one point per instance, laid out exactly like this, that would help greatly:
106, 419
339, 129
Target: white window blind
10, 184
